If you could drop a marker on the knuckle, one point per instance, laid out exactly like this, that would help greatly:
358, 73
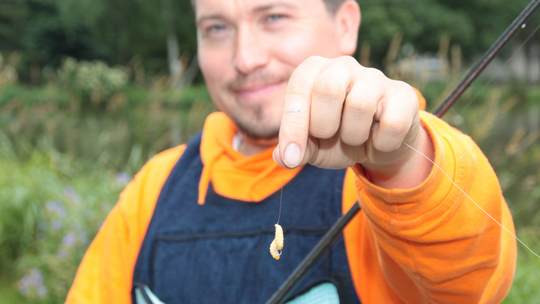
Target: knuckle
361, 104
300, 79
297, 86
332, 82
330, 88
354, 138
297, 82
293, 127
313, 60
395, 128
402, 88
360, 108
348, 60
323, 130
375, 73
405, 92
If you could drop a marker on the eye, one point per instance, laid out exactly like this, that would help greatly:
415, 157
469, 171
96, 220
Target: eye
215, 29
273, 18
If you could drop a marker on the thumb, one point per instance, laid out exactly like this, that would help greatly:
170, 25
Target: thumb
292, 156
311, 154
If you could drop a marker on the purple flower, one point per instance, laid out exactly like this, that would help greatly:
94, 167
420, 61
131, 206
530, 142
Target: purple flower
69, 240
57, 212
56, 224
55, 208
123, 178
72, 195
32, 285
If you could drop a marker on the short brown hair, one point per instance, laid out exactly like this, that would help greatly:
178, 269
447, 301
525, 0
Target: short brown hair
331, 5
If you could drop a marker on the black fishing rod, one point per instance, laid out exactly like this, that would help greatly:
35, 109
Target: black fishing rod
335, 231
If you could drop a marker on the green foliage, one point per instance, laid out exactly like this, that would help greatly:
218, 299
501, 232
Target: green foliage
94, 82
123, 31
423, 23
8, 73
71, 146
417, 21
116, 31
49, 211
92, 113
525, 288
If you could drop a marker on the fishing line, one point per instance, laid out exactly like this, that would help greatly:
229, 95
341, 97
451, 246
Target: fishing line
280, 203
472, 200
334, 231
506, 62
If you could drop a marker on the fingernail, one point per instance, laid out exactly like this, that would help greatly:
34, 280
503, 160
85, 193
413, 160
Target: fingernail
292, 155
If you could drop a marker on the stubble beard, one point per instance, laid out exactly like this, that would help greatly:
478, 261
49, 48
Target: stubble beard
252, 123
256, 121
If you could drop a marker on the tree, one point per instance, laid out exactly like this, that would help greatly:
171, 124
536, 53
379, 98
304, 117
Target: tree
117, 31
473, 25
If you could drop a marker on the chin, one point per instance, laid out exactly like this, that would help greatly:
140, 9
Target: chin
262, 128
259, 120
258, 131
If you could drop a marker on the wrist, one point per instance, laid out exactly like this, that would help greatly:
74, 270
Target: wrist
408, 171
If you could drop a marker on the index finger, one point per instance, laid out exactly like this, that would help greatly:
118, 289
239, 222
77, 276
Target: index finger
294, 128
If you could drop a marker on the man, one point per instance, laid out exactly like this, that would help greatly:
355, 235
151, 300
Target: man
195, 224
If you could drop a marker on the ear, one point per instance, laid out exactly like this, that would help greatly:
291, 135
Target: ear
347, 19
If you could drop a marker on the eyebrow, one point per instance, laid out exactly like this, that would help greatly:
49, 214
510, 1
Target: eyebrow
257, 9
270, 6
209, 17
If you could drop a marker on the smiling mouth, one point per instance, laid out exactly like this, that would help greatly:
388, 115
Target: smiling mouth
257, 91
256, 88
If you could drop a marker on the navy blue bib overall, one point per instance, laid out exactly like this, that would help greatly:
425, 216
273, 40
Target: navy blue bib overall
218, 252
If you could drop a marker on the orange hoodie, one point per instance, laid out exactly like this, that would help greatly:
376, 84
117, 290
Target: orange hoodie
403, 242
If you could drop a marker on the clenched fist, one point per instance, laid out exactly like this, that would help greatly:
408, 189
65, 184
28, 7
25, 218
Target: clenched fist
338, 113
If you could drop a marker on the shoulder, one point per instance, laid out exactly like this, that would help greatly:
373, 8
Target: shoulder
165, 159
138, 199
154, 173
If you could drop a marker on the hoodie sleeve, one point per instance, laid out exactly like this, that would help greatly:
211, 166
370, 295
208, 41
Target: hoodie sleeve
106, 271
440, 242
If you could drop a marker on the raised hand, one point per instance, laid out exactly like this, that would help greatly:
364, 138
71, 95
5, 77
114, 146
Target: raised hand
338, 113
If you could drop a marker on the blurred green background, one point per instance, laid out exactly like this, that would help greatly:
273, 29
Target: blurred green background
90, 89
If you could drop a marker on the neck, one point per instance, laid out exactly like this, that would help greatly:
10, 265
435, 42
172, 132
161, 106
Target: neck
250, 146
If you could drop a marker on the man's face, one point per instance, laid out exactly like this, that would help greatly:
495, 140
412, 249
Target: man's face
248, 49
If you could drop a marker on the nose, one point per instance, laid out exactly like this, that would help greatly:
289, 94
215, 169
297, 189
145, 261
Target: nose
251, 53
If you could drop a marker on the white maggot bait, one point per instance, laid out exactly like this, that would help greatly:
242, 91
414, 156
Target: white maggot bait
277, 244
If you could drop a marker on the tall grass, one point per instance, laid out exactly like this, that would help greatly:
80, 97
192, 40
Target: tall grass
66, 150
525, 288
137, 122
50, 207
